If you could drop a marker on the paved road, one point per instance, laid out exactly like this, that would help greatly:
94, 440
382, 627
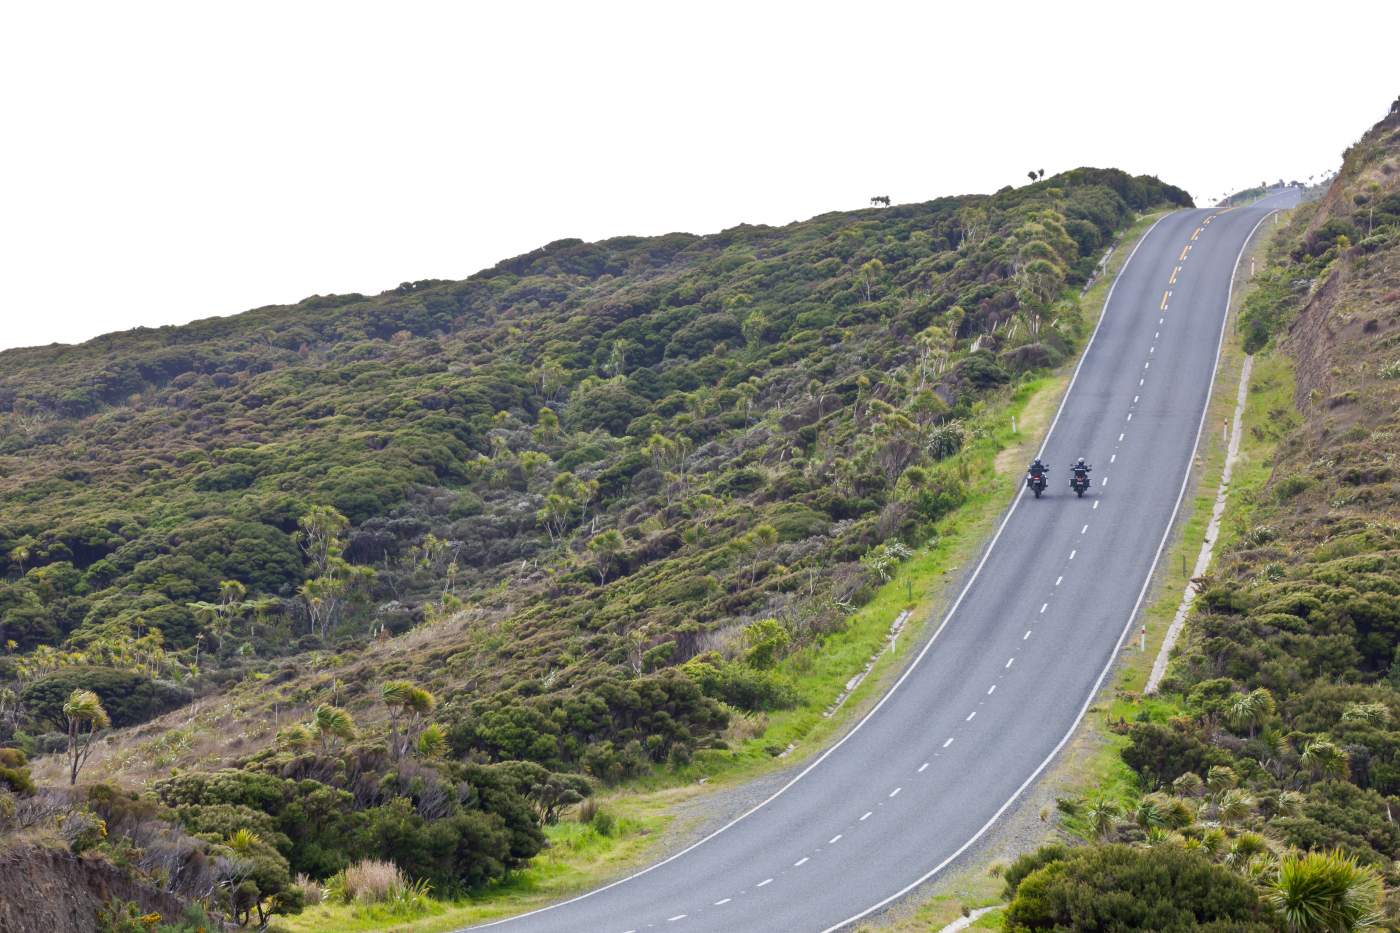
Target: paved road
1006, 677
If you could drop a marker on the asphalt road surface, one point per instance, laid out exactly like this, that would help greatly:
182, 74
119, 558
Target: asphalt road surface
1002, 683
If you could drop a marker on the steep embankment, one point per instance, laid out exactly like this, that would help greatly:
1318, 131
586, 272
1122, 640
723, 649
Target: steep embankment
1278, 731
48, 889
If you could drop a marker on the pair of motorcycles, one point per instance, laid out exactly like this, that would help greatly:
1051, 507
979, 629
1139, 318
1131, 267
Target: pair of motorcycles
1078, 481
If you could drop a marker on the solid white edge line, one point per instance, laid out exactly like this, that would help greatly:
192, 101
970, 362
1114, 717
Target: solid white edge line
1020, 493
1113, 656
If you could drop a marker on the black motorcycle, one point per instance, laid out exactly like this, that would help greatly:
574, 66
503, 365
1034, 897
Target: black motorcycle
1079, 482
1036, 483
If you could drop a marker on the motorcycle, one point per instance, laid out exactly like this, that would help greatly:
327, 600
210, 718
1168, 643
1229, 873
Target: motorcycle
1036, 483
1079, 482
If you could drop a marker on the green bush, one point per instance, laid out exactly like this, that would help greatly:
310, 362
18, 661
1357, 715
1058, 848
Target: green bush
1118, 887
129, 698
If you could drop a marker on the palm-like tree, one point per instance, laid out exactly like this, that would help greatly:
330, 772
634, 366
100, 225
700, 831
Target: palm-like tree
86, 717
408, 704
1188, 785
1325, 891
332, 724
1234, 805
432, 742
1325, 760
1102, 815
295, 737
1212, 841
1219, 779
1246, 847
1289, 803
1149, 814
1250, 710
243, 840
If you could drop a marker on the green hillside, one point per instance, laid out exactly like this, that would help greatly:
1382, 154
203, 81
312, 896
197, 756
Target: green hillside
597, 493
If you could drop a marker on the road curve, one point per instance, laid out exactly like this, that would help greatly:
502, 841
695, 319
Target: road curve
1002, 682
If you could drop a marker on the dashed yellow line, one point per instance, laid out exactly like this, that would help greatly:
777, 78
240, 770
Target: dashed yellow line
1184, 251
1197, 233
1165, 296
1172, 280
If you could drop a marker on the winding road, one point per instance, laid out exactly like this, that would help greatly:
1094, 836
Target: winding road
999, 687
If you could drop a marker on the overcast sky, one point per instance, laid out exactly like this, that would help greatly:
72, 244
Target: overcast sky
166, 162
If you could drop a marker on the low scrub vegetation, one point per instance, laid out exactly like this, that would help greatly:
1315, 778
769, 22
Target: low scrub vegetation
478, 547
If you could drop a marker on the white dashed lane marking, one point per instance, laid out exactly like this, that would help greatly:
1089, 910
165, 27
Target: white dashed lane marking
869, 812
921, 768
1084, 529
896, 791
947, 743
763, 882
834, 839
723, 901
1009, 662
991, 689
1096, 505
800, 862
1071, 554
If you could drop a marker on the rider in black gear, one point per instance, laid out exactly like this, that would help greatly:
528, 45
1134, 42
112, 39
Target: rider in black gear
1036, 477
1081, 470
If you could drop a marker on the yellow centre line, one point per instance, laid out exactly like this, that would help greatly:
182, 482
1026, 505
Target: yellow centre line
1197, 233
1182, 257
1165, 296
1172, 280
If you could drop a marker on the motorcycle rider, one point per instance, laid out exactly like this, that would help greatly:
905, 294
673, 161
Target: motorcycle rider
1035, 477
1081, 471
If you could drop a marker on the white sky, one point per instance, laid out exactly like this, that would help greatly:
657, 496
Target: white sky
165, 162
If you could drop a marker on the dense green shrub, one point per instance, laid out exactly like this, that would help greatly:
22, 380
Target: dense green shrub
129, 698
1120, 887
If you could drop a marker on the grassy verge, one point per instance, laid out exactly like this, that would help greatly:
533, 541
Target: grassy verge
579, 859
